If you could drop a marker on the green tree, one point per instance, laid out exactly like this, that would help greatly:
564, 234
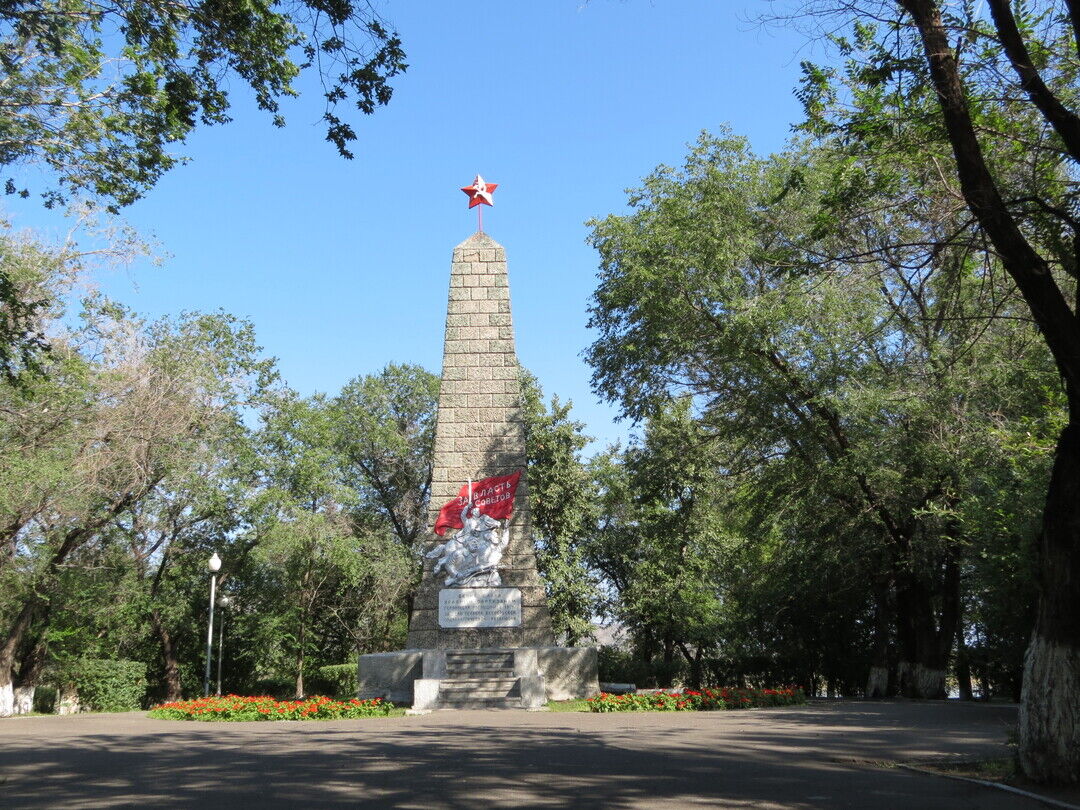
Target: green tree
1001, 96
384, 433
562, 502
306, 552
796, 587
208, 507
347, 482
101, 92
24, 300
127, 462
121, 409
307, 532
672, 598
816, 357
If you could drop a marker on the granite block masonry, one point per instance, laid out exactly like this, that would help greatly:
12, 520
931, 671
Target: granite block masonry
480, 433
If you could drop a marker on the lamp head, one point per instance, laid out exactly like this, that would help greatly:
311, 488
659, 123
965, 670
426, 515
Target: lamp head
213, 565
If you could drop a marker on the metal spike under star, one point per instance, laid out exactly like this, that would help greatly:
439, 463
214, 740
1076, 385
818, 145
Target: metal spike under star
480, 194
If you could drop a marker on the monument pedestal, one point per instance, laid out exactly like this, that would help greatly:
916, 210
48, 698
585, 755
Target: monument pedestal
481, 674
418, 676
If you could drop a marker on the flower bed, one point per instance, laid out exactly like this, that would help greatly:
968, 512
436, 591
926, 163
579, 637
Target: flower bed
234, 707
712, 699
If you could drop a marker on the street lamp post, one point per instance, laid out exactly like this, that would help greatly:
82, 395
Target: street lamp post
224, 602
213, 565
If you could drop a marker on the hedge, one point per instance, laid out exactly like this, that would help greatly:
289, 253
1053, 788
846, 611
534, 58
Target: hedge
107, 685
712, 699
340, 678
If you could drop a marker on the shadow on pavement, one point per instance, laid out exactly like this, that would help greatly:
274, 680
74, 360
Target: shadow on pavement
782, 758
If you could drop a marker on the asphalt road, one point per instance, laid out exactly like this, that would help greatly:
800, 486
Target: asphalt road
817, 756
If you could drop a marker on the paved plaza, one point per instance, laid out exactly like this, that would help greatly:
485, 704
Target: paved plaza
823, 755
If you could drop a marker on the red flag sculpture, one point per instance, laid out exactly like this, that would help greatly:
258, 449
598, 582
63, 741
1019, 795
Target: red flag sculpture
492, 496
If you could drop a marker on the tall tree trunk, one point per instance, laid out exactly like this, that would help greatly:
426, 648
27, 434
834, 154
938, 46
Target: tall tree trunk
665, 678
941, 629
1050, 698
8, 650
906, 644
926, 638
877, 681
695, 662
301, 640
173, 688
963, 668
30, 669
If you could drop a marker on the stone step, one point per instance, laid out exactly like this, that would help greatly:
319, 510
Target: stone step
480, 653
481, 703
497, 687
477, 670
471, 679
479, 694
500, 659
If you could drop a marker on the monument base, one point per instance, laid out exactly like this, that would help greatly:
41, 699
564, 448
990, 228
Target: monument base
543, 673
389, 675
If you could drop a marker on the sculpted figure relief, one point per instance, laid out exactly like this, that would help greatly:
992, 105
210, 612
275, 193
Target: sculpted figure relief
471, 557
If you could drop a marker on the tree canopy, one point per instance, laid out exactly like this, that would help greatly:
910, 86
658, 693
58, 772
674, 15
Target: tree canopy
999, 96
841, 368
101, 93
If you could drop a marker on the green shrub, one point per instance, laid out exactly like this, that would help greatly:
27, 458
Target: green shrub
339, 679
281, 688
615, 665
45, 700
713, 699
107, 686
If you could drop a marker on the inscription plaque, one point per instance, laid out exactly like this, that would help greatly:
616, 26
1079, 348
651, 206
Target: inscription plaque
479, 607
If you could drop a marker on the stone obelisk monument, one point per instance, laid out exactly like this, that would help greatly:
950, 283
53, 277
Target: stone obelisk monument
480, 434
480, 632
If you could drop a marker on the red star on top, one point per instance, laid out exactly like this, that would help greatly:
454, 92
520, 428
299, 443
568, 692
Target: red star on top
480, 192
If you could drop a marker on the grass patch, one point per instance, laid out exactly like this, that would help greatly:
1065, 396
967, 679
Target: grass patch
989, 770
580, 705
33, 714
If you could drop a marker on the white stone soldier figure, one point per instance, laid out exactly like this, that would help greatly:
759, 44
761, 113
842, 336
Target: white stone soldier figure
448, 553
477, 525
472, 556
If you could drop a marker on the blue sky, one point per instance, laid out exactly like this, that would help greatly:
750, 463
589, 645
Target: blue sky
343, 265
